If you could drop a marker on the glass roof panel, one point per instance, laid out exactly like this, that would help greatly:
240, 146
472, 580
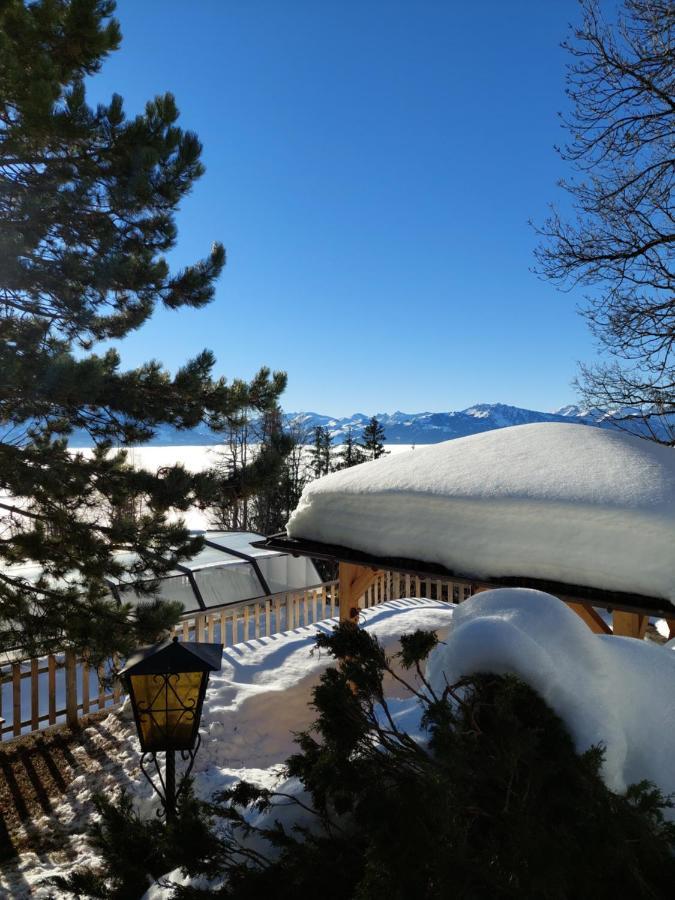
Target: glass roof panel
228, 584
176, 587
239, 541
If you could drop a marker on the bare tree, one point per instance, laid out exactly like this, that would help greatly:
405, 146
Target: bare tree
621, 241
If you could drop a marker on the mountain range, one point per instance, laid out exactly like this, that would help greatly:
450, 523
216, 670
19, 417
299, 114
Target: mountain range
400, 427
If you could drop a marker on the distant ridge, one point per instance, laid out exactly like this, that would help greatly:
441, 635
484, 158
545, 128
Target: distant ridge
400, 427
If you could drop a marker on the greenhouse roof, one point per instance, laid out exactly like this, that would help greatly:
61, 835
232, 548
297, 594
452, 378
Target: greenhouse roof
227, 570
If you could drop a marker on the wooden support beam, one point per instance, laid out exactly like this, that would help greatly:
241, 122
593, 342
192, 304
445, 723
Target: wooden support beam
629, 624
592, 618
354, 582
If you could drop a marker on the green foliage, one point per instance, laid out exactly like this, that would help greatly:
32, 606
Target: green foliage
320, 452
373, 439
88, 198
136, 851
496, 803
351, 454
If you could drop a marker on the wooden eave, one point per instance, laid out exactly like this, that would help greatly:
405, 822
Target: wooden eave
610, 600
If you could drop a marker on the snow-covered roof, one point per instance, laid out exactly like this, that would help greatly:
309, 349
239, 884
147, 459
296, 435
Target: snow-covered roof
550, 501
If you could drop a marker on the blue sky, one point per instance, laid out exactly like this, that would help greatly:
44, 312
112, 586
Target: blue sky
371, 169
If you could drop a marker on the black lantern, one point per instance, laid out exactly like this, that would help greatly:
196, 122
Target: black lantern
166, 684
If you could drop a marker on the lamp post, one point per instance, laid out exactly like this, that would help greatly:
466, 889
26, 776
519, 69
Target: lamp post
166, 684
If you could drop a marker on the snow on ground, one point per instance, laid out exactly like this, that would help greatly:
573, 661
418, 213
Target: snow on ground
553, 501
611, 690
251, 707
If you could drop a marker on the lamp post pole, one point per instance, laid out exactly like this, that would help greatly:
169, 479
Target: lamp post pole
170, 776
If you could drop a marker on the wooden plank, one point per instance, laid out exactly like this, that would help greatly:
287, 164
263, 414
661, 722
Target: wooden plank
256, 619
211, 628
34, 695
246, 622
117, 684
100, 702
71, 689
16, 699
592, 618
186, 630
85, 687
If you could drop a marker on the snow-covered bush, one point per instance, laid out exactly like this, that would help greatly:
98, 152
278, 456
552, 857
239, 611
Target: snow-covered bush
487, 798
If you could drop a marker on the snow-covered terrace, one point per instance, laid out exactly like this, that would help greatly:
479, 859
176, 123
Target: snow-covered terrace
583, 513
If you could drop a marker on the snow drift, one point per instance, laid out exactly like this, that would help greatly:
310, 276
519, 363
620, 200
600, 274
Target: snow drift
615, 691
553, 501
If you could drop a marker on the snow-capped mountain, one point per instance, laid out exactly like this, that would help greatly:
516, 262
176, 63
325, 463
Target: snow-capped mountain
432, 427
401, 427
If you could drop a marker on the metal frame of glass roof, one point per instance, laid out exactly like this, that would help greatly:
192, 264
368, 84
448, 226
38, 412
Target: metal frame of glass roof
218, 541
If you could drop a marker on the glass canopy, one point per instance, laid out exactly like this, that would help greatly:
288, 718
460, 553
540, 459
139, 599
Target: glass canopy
227, 570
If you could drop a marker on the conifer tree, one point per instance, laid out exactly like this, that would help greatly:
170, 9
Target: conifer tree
373, 439
87, 215
488, 799
320, 452
351, 453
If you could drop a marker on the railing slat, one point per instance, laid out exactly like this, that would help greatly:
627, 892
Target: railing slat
71, 689
85, 688
51, 687
34, 694
16, 698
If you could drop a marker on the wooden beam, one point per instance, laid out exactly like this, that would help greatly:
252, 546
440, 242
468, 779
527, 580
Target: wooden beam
629, 624
354, 582
592, 618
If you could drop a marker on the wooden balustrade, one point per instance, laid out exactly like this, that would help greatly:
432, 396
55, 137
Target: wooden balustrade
60, 688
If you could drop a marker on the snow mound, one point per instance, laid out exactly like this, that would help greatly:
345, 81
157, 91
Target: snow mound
615, 691
554, 501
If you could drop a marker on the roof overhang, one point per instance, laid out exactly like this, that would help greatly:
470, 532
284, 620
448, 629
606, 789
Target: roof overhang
604, 599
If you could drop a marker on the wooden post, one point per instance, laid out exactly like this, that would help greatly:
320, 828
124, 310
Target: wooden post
71, 689
629, 624
85, 688
354, 582
16, 699
34, 695
101, 691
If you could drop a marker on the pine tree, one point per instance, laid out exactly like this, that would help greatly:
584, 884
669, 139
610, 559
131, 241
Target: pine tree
351, 453
320, 452
373, 439
87, 216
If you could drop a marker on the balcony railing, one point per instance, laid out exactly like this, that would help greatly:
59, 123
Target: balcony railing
62, 688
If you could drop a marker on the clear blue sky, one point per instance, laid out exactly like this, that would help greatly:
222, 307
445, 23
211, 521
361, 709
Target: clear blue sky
371, 168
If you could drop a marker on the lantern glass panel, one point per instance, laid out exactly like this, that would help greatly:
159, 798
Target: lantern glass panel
167, 709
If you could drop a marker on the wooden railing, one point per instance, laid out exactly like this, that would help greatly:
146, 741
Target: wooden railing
61, 688
57, 688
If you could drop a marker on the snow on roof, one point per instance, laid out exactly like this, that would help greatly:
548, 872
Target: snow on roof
553, 501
